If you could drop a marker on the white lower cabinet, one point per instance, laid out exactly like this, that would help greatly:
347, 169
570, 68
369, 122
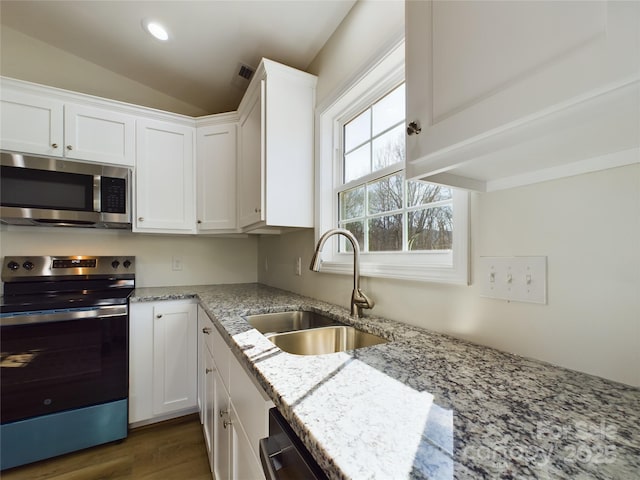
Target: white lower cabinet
222, 433
245, 458
162, 360
234, 409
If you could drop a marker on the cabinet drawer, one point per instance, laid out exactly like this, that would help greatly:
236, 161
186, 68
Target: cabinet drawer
221, 353
206, 330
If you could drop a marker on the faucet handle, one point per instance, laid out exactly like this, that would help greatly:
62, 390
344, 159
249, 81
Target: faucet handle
359, 301
363, 300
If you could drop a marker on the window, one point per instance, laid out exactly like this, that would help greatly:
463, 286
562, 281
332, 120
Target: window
405, 228
384, 211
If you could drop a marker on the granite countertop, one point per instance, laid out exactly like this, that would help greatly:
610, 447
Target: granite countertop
427, 405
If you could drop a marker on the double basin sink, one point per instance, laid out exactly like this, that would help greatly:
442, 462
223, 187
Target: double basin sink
310, 333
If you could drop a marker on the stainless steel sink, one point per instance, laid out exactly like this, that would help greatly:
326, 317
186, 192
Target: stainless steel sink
289, 321
324, 340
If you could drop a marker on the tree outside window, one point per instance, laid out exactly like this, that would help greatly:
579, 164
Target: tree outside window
385, 212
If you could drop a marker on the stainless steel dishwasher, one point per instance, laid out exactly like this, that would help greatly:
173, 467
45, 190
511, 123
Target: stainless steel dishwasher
283, 455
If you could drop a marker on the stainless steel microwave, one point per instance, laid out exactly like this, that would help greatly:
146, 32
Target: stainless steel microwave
56, 192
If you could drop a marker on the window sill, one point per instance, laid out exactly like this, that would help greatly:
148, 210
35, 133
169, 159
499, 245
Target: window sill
422, 273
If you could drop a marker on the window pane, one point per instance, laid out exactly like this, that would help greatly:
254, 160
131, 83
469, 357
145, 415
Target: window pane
351, 203
423, 193
357, 163
389, 111
385, 195
385, 233
389, 148
357, 131
430, 229
357, 228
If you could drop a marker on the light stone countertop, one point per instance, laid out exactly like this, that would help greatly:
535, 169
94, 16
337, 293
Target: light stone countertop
427, 405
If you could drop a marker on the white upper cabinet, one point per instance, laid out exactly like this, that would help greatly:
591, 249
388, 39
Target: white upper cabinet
508, 93
250, 166
31, 123
164, 178
275, 164
216, 151
43, 124
99, 135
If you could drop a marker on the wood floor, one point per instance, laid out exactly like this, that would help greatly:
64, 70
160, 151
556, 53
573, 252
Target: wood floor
172, 450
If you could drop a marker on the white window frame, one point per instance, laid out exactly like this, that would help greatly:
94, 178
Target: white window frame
450, 266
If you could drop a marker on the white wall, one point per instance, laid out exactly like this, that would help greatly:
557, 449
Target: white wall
588, 226
206, 260
27, 58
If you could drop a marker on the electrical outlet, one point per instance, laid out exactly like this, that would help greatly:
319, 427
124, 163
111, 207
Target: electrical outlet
299, 266
176, 263
518, 279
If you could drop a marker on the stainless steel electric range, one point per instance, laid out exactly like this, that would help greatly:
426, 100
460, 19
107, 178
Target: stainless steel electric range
64, 324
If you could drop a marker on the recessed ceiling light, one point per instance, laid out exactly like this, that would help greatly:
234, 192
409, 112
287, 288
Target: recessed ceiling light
156, 29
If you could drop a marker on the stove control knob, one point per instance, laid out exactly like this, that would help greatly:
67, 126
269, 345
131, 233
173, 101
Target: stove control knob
126, 264
13, 266
115, 264
28, 265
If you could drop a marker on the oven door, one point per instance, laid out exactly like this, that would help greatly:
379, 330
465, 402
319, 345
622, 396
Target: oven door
60, 360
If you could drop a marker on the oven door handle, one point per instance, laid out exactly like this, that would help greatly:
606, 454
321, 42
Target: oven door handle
62, 315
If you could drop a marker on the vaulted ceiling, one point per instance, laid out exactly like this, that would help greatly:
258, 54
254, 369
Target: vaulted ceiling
209, 39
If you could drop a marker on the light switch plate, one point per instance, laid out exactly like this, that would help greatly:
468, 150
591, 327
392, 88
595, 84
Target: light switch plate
517, 279
176, 263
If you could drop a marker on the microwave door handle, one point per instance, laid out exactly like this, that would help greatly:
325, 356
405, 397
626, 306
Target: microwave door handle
63, 223
97, 193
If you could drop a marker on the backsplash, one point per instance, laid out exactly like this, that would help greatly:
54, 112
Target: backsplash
199, 260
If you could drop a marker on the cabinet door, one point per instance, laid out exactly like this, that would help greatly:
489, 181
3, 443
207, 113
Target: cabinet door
209, 405
477, 72
164, 178
251, 165
99, 135
216, 177
174, 357
202, 353
251, 404
245, 463
30, 123
222, 434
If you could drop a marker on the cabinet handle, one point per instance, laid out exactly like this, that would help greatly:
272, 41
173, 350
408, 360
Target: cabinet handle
208, 370
141, 219
226, 423
199, 221
414, 127
159, 315
206, 330
54, 145
257, 210
222, 413
69, 147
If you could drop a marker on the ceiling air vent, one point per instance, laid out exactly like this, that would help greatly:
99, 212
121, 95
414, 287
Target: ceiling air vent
245, 72
243, 75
